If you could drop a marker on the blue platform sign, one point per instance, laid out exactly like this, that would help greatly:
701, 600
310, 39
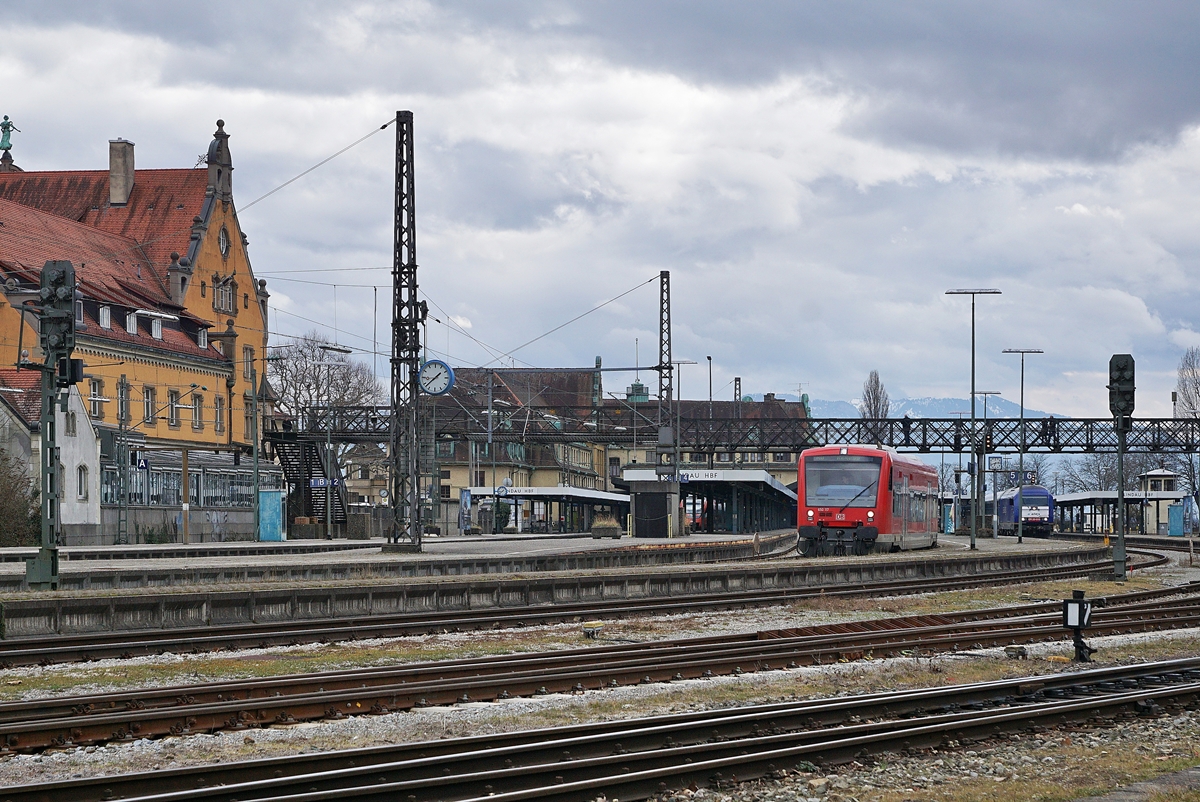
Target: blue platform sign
143, 464
324, 482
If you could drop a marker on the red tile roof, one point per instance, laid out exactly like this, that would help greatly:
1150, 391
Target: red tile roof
111, 263
21, 390
110, 268
158, 215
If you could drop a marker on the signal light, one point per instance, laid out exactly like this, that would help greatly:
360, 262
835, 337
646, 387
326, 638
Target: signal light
1121, 386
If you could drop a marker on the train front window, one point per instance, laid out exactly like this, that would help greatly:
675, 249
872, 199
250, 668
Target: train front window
842, 480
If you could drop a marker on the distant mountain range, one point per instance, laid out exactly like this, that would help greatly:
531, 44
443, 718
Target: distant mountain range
920, 408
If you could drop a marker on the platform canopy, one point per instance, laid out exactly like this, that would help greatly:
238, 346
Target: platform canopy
561, 493
732, 476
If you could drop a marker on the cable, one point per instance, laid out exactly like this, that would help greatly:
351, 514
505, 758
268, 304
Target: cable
572, 320
318, 164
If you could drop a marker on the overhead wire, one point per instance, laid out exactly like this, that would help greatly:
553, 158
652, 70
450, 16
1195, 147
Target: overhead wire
572, 320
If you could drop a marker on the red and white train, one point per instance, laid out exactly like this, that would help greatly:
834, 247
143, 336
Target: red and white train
859, 499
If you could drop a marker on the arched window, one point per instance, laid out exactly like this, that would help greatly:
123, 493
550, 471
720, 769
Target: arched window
81, 483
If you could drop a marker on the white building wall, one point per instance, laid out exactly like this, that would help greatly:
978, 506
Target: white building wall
79, 505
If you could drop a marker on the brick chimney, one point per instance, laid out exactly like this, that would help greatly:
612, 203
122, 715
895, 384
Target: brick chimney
120, 171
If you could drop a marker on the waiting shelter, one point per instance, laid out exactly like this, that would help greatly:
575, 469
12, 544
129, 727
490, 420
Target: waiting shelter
735, 501
546, 509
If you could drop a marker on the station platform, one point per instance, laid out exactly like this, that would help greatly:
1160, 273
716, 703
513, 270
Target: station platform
359, 560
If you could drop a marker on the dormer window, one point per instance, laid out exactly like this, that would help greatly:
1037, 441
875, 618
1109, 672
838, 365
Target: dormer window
202, 339
131, 323
106, 317
79, 313
156, 329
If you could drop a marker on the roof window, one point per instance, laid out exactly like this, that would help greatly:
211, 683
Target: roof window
106, 317
156, 329
131, 323
202, 338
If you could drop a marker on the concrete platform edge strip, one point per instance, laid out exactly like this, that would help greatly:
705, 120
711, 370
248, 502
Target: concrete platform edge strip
61, 615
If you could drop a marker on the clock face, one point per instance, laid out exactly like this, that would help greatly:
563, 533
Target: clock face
436, 377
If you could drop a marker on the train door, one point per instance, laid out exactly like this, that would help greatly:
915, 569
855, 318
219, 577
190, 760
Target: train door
905, 508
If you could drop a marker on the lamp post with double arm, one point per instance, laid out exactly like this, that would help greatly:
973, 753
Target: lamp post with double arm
974, 445
1021, 451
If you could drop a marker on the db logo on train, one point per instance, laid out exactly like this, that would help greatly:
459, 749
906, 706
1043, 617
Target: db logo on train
841, 516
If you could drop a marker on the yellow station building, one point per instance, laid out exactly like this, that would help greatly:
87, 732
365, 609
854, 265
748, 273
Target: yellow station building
171, 325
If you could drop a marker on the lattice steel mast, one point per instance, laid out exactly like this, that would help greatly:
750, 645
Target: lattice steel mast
407, 316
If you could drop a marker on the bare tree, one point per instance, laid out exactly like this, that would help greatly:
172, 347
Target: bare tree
1188, 384
305, 375
874, 398
1187, 405
20, 512
1093, 472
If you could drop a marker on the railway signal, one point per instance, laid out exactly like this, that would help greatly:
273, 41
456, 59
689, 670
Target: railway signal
55, 309
1077, 614
1121, 402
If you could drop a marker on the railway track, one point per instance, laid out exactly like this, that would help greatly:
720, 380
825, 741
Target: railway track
241, 704
635, 759
49, 649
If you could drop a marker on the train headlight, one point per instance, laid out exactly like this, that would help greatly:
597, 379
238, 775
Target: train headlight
810, 513
870, 515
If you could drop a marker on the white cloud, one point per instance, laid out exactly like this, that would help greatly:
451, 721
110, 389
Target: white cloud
552, 177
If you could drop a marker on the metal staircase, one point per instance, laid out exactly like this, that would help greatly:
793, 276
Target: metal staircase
303, 461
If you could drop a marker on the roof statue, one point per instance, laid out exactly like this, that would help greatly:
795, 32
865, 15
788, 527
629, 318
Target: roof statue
6, 129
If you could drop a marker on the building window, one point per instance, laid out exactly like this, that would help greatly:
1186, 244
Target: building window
754, 457
444, 492
96, 398
81, 483
248, 422
106, 317
481, 478
219, 413
782, 457
70, 424
725, 456
131, 323
445, 448
156, 329
223, 241
364, 472
247, 361
445, 475
203, 289
123, 402
245, 300
149, 408
223, 295
202, 339
614, 467
173, 408
79, 313
197, 411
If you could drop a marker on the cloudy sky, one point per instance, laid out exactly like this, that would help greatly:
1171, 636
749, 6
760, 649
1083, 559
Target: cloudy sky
814, 175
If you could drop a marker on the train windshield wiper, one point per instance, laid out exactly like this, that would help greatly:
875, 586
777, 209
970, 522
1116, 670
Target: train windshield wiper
859, 493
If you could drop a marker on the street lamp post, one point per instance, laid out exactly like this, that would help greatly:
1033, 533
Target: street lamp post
679, 419
710, 408
973, 293
1021, 451
983, 473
